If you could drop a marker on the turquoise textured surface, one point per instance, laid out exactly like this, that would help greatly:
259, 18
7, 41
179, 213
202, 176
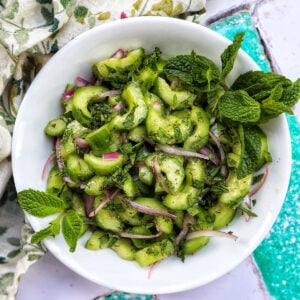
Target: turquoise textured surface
125, 296
251, 44
278, 256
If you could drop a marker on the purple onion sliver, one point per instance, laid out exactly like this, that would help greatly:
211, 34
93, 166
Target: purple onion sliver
59, 160
218, 143
68, 94
109, 93
68, 180
81, 143
216, 233
120, 53
81, 81
180, 151
109, 197
47, 163
212, 156
139, 236
148, 210
88, 204
188, 220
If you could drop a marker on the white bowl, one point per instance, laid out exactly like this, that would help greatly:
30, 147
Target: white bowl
31, 148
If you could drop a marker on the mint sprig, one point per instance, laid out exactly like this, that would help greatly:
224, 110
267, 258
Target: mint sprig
52, 230
40, 204
229, 55
72, 228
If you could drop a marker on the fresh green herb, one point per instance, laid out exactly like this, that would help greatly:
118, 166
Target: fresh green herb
101, 113
247, 211
196, 72
229, 55
256, 179
52, 230
152, 58
238, 106
72, 228
40, 204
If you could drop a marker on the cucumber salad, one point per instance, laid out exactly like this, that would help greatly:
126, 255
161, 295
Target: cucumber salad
153, 156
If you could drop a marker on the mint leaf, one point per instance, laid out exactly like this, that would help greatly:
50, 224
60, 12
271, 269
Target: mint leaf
52, 230
239, 106
255, 82
229, 55
291, 94
255, 151
40, 204
213, 98
72, 228
196, 72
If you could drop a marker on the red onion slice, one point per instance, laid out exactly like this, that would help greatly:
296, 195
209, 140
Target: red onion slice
108, 93
59, 160
118, 107
217, 233
110, 156
109, 197
188, 220
260, 184
152, 268
211, 154
158, 175
120, 53
81, 143
224, 170
88, 204
148, 210
247, 201
68, 94
46, 165
176, 151
123, 15
80, 81
218, 144
139, 236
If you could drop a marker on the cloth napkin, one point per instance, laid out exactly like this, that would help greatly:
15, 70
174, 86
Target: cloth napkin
31, 31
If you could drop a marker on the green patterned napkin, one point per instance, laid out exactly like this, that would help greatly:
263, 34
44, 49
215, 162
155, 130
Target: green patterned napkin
30, 32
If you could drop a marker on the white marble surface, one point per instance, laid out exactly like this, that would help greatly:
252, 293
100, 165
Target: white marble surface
277, 22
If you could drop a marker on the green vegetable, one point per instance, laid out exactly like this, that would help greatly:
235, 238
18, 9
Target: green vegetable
124, 248
81, 99
55, 128
103, 166
137, 109
103, 140
175, 99
117, 71
95, 240
153, 253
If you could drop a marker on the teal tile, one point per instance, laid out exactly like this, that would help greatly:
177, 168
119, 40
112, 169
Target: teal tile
125, 296
278, 256
251, 44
